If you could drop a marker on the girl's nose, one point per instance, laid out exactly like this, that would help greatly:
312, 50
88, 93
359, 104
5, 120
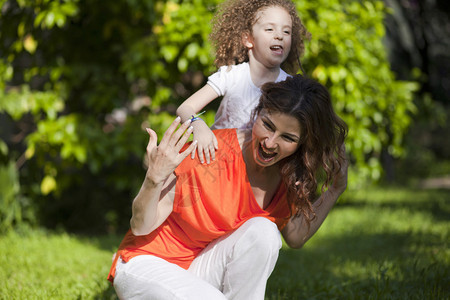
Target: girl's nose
278, 35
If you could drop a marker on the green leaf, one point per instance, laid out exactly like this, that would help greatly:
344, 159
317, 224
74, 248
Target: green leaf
48, 185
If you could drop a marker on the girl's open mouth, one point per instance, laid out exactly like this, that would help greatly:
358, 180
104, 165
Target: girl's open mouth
277, 49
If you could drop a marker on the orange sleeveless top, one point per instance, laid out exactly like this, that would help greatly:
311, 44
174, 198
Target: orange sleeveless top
210, 201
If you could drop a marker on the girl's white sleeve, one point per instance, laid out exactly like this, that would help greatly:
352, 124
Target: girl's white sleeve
218, 81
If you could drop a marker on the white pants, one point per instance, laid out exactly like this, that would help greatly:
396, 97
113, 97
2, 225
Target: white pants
235, 266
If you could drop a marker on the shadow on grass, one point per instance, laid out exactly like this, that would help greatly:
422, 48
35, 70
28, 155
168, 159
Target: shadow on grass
108, 294
435, 202
381, 266
356, 264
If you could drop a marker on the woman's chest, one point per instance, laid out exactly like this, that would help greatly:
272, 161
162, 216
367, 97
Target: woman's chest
264, 191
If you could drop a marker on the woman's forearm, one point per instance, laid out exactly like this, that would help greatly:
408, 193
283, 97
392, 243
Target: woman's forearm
145, 207
153, 203
297, 232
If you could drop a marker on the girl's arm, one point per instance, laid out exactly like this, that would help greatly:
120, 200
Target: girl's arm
154, 202
297, 232
196, 102
207, 142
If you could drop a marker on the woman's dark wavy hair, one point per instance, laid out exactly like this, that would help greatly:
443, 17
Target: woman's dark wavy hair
237, 17
321, 138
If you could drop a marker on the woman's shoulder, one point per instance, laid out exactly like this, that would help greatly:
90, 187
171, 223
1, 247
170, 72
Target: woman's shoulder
242, 136
232, 137
227, 137
229, 149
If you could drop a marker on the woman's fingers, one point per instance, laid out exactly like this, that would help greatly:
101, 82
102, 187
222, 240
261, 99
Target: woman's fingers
345, 162
169, 132
177, 135
189, 150
152, 140
183, 139
341, 178
176, 138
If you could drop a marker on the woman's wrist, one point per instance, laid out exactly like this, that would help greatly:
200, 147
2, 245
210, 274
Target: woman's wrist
151, 180
336, 192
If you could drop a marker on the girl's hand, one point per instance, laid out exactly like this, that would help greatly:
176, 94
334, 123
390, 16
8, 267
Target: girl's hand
165, 157
207, 142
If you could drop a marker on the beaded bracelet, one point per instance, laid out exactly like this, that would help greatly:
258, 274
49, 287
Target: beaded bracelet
196, 117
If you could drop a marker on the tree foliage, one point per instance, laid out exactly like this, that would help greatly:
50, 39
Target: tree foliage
347, 54
80, 81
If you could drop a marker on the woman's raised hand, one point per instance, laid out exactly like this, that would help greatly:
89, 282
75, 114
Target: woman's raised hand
340, 180
165, 157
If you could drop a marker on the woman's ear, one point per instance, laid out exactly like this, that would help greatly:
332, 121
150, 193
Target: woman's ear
247, 40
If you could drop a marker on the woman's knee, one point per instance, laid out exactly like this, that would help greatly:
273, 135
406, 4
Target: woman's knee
150, 277
262, 234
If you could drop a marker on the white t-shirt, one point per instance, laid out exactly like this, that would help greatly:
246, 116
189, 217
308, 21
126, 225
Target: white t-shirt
240, 95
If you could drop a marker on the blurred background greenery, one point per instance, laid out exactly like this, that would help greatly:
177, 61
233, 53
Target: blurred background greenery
80, 80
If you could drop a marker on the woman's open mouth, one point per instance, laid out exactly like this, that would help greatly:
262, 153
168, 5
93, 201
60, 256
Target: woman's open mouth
264, 154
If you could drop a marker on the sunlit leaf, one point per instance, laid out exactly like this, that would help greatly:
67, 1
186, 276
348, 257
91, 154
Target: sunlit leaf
48, 185
30, 44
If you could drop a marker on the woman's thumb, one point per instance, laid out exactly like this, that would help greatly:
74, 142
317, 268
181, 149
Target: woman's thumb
153, 138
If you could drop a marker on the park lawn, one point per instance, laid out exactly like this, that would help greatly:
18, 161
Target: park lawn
381, 243
384, 243
41, 265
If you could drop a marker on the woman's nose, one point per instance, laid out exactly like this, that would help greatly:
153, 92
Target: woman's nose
270, 142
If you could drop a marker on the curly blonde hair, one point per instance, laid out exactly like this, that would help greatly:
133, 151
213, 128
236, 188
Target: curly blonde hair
236, 17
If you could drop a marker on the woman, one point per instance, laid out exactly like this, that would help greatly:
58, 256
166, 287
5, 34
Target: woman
212, 231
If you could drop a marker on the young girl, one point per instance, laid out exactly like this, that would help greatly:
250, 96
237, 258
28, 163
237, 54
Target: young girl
253, 40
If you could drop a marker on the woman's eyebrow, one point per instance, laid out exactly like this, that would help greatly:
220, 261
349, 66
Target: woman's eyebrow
293, 136
268, 120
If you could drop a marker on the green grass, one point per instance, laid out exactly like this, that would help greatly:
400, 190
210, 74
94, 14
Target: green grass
389, 243
41, 265
385, 243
